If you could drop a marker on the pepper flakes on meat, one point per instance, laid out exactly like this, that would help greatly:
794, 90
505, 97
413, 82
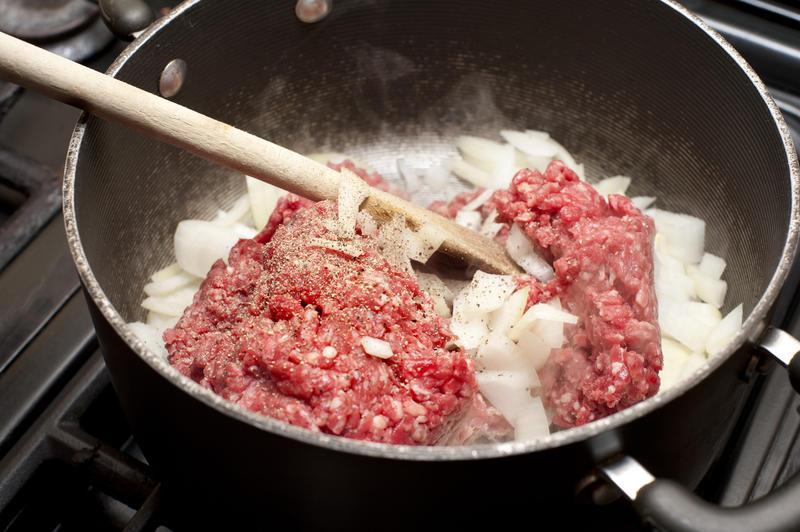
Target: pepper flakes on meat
258, 330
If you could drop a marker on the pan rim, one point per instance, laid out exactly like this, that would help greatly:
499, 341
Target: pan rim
751, 329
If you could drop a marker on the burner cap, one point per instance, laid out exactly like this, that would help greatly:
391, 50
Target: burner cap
39, 20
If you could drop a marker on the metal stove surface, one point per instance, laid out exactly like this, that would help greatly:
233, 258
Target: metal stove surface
67, 458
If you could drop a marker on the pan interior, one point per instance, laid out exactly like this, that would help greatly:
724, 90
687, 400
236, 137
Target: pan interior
631, 88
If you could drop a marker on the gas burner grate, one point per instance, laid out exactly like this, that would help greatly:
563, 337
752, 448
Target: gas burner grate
77, 467
30, 195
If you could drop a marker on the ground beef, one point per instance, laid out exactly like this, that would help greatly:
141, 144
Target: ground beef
602, 256
278, 330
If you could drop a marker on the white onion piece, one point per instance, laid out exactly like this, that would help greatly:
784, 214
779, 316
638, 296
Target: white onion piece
708, 289
170, 284
532, 423
482, 153
675, 356
464, 170
670, 278
613, 185
376, 347
479, 200
469, 328
198, 244
150, 337
263, 199
521, 250
505, 168
470, 219
486, 292
438, 291
694, 362
712, 265
507, 391
533, 348
352, 191
171, 304
680, 235
689, 322
643, 202
436, 176
410, 175
489, 227
532, 143
720, 335
498, 353
236, 213
243, 231
502, 319
546, 321
162, 322
422, 243
166, 272
392, 240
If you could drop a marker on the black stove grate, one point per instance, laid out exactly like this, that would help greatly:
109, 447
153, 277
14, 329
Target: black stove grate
30, 195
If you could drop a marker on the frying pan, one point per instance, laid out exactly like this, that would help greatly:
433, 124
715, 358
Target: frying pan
640, 88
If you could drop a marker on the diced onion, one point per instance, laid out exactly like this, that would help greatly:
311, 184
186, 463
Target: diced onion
469, 219
532, 423
436, 177
198, 244
166, 272
411, 177
162, 322
675, 356
376, 347
720, 335
479, 200
236, 213
439, 292
520, 249
263, 199
613, 185
466, 171
643, 202
172, 304
681, 236
510, 312
689, 322
712, 265
150, 337
423, 243
532, 143
352, 191
170, 284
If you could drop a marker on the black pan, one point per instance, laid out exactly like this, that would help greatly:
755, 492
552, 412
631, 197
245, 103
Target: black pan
640, 88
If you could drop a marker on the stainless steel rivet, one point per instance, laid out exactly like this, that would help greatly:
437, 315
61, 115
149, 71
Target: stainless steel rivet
172, 78
312, 10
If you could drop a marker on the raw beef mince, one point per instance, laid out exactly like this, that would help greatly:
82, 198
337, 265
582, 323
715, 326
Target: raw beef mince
279, 329
602, 256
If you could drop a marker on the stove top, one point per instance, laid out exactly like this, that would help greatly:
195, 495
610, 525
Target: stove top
67, 458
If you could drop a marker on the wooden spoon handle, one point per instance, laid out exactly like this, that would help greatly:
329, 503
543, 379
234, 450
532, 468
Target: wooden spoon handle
159, 118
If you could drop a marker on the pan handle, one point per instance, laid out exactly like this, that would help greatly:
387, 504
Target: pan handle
667, 505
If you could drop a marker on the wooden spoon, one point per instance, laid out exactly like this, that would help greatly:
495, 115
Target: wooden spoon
156, 117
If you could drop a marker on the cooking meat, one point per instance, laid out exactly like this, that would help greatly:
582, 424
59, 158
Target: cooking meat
327, 334
602, 256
